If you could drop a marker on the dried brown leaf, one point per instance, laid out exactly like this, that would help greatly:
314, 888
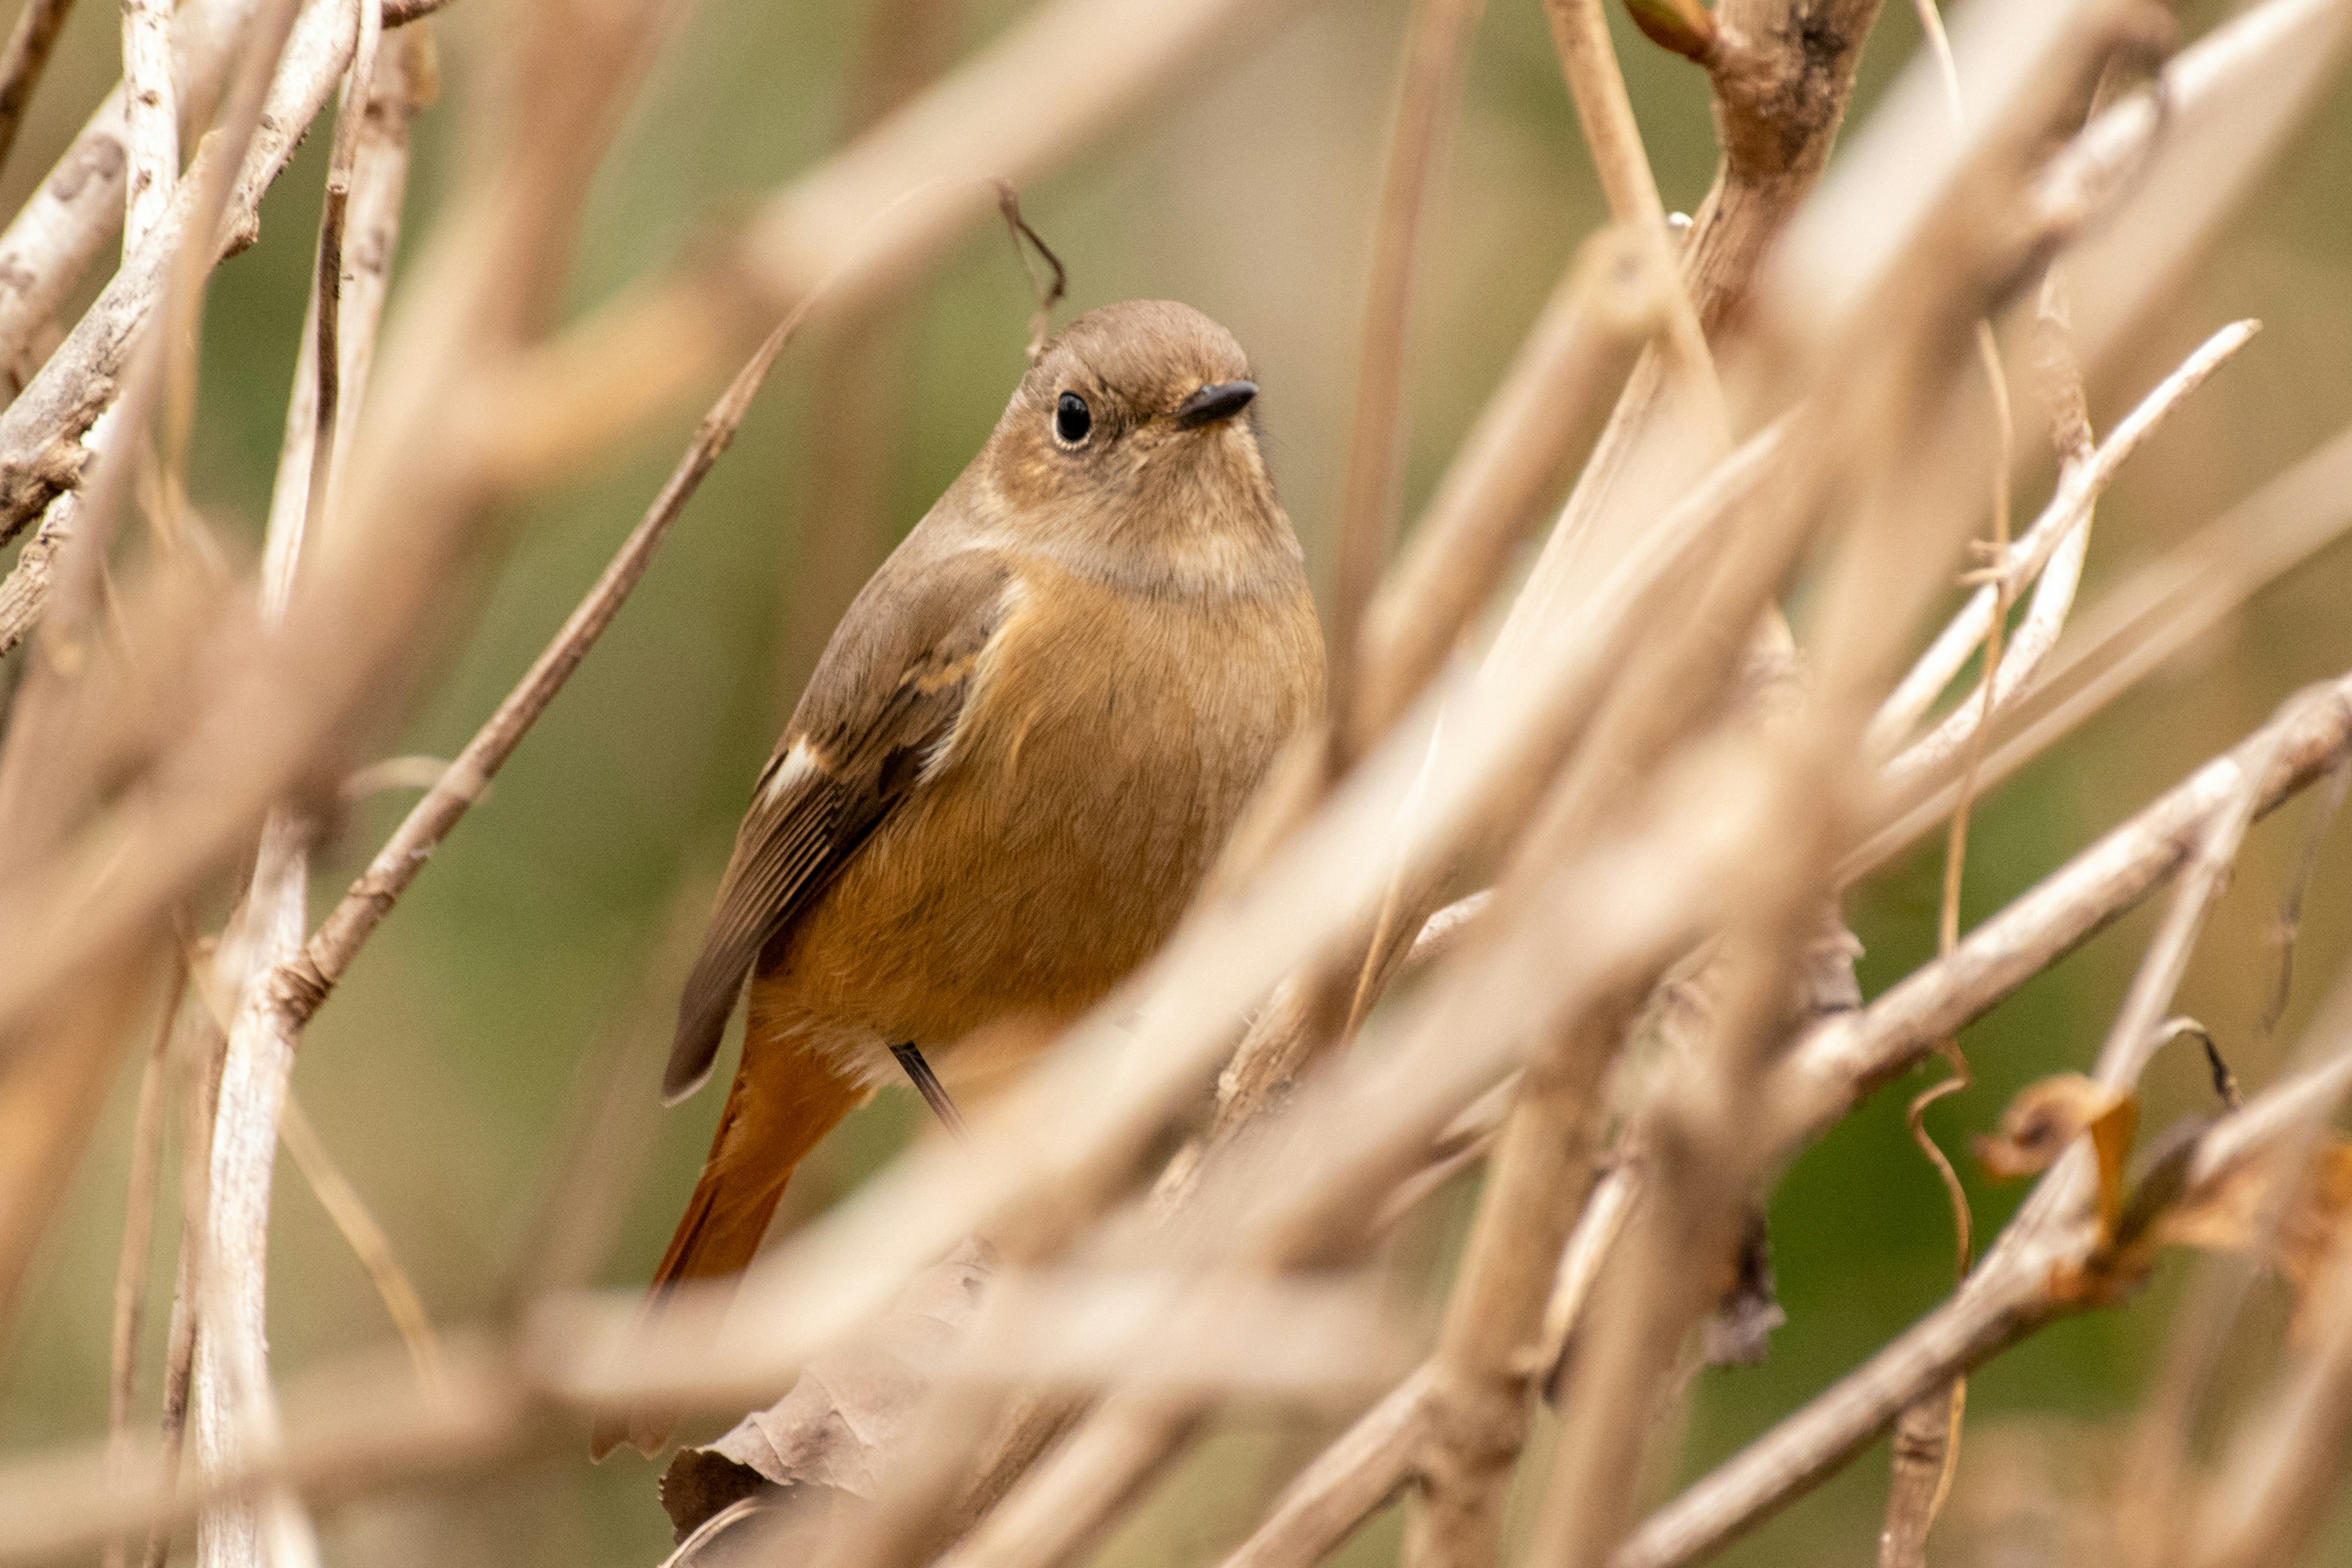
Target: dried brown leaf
843, 1421
2050, 1114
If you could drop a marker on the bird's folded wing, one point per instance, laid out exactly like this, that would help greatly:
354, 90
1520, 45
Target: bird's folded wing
886, 695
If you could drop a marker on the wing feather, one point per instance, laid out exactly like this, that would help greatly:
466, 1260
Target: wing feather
884, 701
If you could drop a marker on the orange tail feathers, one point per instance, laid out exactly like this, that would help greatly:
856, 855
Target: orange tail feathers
780, 1106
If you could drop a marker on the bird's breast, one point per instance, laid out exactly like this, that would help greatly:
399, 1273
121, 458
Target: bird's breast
1108, 744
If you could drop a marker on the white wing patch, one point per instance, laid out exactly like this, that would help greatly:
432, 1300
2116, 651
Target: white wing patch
798, 764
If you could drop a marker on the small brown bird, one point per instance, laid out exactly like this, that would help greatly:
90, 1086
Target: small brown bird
1024, 746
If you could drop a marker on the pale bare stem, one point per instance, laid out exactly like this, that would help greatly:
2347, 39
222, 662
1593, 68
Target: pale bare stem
2051, 551
1436, 40
138, 1246
1783, 73
368, 1242
1698, 1168
23, 60
235, 1411
1097, 1471
353, 123
1364, 1468
1257, 1083
2158, 610
218, 201
2137, 1030
26, 590
2289, 927
1346, 1484
151, 119
198, 1092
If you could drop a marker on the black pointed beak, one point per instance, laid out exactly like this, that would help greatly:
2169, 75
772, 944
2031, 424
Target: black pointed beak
1219, 400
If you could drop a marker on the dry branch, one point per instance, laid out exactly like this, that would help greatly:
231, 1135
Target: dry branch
235, 1410
301, 983
2035, 1272
78, 206
2052, 534
40, 431
2160, 609
1607, 759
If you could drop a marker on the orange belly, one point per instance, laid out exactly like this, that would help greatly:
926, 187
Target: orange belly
1074, 813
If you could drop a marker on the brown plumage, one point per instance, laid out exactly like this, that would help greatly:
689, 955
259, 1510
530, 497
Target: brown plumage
1027, 740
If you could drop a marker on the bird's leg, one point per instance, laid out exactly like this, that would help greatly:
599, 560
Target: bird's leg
927, 1084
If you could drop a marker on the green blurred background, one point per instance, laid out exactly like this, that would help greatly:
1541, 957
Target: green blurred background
445, 1074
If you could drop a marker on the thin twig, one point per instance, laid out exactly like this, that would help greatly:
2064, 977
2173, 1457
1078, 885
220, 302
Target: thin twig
301, 983
1926, 1443
368, 1243
2159, 609
2052, 548
198, 1091
1026, 242
65, 223
353, 122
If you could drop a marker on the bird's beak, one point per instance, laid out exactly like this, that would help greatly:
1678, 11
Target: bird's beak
1220, 400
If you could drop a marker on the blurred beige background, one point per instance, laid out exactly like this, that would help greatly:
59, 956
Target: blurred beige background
441, 1072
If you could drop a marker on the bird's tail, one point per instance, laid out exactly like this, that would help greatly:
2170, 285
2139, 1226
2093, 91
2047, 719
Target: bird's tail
768, 1127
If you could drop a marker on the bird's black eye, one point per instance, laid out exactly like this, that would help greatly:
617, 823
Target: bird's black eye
1072, 419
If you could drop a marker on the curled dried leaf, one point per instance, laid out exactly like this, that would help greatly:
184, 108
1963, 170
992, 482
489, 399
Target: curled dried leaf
840, 1424
2048, 1115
